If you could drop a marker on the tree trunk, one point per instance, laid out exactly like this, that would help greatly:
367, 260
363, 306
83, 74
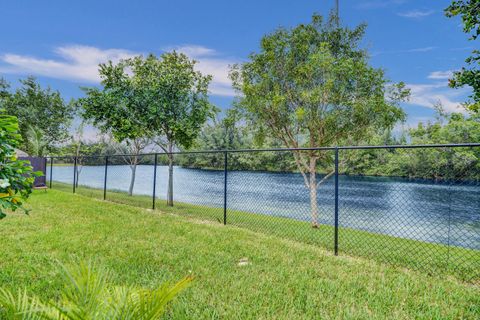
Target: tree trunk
313, 192
170, 176
77, 175
133, 167
78, 170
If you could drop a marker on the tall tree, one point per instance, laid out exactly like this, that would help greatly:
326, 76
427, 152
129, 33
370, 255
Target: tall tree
312, 86
115, 110
151, 97
43, 109
469, 11
174, 100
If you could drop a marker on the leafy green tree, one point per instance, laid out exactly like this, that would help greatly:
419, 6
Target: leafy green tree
232, 133
115, 109
143, 98
218, 135
87, 294
371, 162
43, 109
172, 101
454, 164
16, 177
469, 10
312, 86
443, 163
85, 148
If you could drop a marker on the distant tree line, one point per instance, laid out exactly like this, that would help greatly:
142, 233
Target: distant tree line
434, 163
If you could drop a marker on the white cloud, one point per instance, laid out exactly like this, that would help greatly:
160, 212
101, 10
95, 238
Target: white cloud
74, 62
428, 95
413, 50
211, 62
80, 63
194, 50
416, 14
440, 75
423, 49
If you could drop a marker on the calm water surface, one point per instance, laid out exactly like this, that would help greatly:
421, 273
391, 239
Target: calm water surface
427, 211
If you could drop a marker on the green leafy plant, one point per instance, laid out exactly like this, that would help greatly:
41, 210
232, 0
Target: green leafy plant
163, 98
469, 11
86, 295
313, 86
37, 144
16, 177
42, 107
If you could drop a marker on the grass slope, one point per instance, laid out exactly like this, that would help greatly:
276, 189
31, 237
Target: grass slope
427, 257
285, 280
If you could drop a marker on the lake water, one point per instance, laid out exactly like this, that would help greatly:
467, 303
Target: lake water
421, 210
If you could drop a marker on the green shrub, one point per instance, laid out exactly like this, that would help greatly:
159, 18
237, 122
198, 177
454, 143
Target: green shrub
16, 177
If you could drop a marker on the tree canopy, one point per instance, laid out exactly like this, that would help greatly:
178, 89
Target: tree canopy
176, 96
469, 11
164, 98
152, 97
312, 86
42, 114
314, 81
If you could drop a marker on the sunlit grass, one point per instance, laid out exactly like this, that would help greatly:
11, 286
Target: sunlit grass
430, 258
283, 279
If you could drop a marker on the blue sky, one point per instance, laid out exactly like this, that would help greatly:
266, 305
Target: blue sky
62, 42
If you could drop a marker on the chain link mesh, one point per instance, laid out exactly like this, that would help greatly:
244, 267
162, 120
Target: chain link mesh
60, 173
88, 180
197, 193
422, 213
130, 180
429, 220
278, 202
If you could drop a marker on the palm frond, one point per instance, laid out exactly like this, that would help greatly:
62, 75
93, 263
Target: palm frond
151, 304
86, 296
36, 141
20, 306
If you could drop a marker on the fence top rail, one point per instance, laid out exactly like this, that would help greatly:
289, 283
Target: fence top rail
411, 146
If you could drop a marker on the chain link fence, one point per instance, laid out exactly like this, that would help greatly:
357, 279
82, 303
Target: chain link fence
411, 206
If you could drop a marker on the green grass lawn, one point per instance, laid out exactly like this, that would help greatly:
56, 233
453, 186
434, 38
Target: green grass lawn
285, 279
428, 257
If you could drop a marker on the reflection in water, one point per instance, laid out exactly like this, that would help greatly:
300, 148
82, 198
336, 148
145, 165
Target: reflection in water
422, 210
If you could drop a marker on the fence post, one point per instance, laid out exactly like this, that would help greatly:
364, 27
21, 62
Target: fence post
45, 167
154, 181
51, 171
336, 203
74, 173
225, 173
105, 179
449, 245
